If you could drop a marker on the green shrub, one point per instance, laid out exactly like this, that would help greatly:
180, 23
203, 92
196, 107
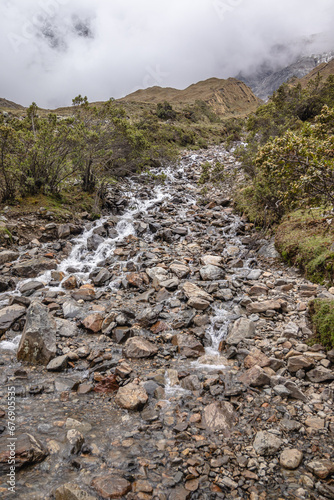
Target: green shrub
322, 314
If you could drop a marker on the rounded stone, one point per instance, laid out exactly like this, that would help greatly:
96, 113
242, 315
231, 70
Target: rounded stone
291, 458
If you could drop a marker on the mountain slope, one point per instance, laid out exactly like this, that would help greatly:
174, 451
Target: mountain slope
226, 97
265, 80
324, 70
9, 105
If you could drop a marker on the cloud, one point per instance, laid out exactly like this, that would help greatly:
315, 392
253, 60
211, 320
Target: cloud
52, 50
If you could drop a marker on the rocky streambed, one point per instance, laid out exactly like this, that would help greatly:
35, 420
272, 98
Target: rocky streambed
161, 353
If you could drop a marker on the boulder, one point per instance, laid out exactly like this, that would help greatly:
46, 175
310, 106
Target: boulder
93, 322
102, 277
193, 291
64, 231
266, 443
211, 273
188, 345
219, 417
213, 260
28, 450
38, 341
266, 305
291, 458
296, 363
10, 314
255, 377
111, 486
320, 374
8, 256
30, 287
58, 364
85, 292
180, 270
242, 328
33, 267
321, 468
66, 328
256, 357
138, 347
131, 397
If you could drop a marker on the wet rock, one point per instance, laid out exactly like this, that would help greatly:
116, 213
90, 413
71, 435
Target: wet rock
266, 443
121, 334
219, 417
58, 364
71, 283
191, 383
321, 468
131, 397
291, 458
138, 347
258, 290
10, 314
94, 241
320, 374
8, 256
38, 341
193, 292
6, 283
296, 363
260, 307
83, 427
32, 267
93, 322
71, 491
268, 251
137, 280
242, 329
255, 377
29, 288
26, 448
148, 316
188, 345
111, 486
211, 273
170, 284
102, 278
76, 440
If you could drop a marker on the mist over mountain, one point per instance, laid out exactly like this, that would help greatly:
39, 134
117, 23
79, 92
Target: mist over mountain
53, 50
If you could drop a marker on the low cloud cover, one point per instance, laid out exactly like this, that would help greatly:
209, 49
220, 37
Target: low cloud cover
52, 50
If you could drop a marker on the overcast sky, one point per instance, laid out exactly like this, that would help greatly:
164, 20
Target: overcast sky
52, 50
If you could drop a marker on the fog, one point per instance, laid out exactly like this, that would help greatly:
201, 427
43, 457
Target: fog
52, 50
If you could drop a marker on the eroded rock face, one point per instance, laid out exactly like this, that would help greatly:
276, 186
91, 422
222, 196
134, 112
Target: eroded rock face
38, 342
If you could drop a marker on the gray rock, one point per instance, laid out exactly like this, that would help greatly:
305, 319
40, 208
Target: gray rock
192, 291
76, 440
266, 443
219, 417
10, 314
281, 390
210, 273
103, 277
72, 310
242, 329
320, 374
296, 363
8, 256
29, 288
32, 267
58, 364
64, 231
94, 241
38, 342
66, 328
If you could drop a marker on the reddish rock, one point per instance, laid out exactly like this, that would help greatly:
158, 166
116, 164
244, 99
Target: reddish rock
266, 305
84, 293
255, 377
70, 283
111, 486
256, 357
158, 327
107, 385
93, 322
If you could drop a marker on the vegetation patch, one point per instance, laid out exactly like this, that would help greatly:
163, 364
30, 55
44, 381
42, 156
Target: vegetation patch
322, 315
305, 239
